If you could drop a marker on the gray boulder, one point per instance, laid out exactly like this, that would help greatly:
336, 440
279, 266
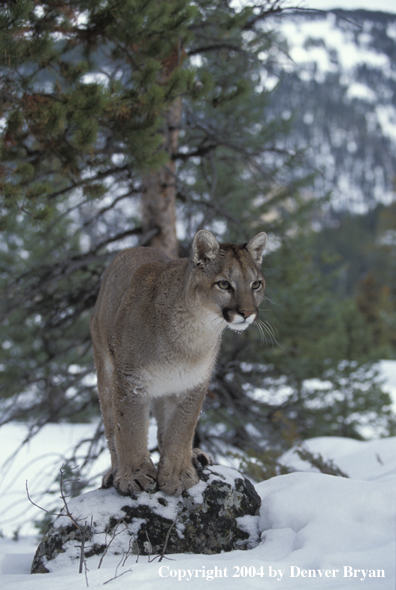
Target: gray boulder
220, 513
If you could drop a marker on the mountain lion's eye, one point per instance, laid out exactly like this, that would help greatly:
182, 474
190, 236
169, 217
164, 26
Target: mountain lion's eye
256, 285
224, 284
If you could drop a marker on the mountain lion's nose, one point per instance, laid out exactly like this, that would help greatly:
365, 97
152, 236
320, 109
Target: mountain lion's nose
246, 313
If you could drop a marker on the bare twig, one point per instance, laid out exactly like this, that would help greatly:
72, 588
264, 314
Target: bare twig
149, 546
37, 506
115, 534
166, 540
130, 550
117, 576
81, 528
68, 513
86, 572
122, 562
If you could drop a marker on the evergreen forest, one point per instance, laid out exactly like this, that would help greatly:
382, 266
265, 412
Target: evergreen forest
139, 122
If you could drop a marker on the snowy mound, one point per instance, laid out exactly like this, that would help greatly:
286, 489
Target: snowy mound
316, 531
218, 514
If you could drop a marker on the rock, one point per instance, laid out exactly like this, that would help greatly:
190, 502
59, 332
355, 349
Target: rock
220, 513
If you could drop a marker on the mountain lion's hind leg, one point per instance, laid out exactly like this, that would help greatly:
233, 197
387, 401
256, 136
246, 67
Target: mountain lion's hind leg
200, 458
104, 368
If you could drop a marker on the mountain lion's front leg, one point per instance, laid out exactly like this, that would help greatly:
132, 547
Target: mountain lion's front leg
135, 470
177, 417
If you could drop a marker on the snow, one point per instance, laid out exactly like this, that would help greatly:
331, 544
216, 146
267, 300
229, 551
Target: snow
340, 44
320, 47
338, 532
361, 91
34, 464
387, 119
317, 531
381, 5
327, 46
358, 459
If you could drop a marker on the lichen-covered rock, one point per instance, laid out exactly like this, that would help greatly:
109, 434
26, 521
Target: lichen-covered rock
220, 513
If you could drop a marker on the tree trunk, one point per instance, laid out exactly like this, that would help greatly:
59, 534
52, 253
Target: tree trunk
159, 192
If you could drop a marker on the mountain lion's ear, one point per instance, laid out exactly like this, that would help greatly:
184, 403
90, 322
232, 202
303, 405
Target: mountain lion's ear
205, 248
256, 247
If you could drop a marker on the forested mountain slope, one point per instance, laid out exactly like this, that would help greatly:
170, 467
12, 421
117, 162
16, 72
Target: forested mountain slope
339, 91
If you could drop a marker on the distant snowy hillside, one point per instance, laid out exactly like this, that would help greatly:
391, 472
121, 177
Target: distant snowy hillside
339, 88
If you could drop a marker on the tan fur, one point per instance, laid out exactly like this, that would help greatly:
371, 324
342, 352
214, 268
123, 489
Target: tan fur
156, 332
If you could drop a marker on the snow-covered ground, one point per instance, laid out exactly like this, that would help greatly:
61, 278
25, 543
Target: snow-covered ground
318, 531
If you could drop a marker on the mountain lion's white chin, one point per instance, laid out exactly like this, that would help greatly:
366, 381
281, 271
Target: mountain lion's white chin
239, 326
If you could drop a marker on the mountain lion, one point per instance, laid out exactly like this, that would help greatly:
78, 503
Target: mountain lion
156, 332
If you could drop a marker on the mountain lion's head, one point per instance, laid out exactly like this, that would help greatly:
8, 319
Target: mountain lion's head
226, 278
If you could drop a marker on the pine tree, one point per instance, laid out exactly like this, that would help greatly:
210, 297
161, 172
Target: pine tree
82, 100
83, 94
87, 130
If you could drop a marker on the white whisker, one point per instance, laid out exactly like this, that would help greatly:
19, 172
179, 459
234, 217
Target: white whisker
270, 300
265, 328
261, 332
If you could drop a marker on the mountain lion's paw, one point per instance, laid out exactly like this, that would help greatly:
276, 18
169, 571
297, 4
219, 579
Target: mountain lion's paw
142, 479
200, 458
108, 478
173, 482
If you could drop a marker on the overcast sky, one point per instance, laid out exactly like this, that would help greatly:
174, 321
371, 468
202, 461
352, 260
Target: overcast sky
384, 5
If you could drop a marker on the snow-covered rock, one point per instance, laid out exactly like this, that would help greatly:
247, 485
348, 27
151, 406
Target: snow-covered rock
218, 514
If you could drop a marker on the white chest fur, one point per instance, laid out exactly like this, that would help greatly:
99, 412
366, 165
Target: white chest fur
168, 380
